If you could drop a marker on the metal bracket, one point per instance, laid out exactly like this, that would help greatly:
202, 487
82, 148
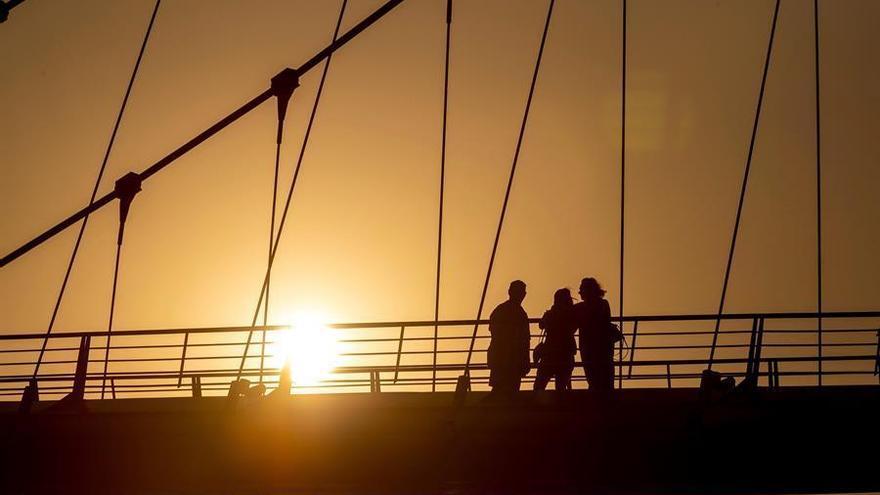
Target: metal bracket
282, 87
126, 188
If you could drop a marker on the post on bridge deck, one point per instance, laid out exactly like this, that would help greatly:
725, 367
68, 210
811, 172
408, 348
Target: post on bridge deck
284, 381
632, 349
773, 373
196, 386
182, 359
30, 396
753, 364
462, 387
375, 382
82, 368
400, 351
877, 359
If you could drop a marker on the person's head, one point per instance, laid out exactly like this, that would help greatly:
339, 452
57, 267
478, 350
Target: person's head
590, 289
562, 298
517, 291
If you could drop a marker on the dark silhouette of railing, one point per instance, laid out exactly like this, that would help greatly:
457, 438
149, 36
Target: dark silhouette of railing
663, 351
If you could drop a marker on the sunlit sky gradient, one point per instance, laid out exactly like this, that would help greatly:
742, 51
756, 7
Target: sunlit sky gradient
360, 243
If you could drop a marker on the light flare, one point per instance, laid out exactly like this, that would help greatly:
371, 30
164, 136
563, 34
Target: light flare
310, 348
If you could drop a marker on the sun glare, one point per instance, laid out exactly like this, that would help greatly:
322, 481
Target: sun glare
309, 347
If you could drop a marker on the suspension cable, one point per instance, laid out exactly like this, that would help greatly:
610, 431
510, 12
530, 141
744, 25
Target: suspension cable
299, 160
101, 170
110, 321
622, 173
278, 140
745, 182
204, 135
818, 192
442, 183
519, 141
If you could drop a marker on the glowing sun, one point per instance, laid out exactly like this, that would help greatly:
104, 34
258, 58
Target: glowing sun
310, 348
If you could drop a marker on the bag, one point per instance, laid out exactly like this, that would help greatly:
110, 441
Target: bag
538, 353
614, 333
539, 350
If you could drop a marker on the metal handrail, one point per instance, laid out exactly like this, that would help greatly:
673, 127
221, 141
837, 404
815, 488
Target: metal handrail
385, 366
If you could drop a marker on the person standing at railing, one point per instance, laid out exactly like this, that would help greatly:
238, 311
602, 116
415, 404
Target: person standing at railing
508, 354
558, 350
593, 316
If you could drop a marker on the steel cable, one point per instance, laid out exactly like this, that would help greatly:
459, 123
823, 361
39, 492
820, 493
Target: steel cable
745, 182
103, 167
302, 151
519, 141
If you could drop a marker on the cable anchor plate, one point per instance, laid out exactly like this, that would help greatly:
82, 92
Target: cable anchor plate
126, 188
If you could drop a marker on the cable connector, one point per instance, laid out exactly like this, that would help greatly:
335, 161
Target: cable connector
282, 86
126, 188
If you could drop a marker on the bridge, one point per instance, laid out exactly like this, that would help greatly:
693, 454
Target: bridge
402, 405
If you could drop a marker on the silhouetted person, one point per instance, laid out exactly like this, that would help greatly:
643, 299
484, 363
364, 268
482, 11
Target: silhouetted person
508, 355
593, 315
557, 358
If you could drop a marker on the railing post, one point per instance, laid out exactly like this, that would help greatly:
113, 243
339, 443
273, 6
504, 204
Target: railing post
759, 345
399, 350
113, 388
620, 356
82, 368
182, 359
197, 386
632, 349
773, 373
753, 337
877, 359
375, 382
668, 376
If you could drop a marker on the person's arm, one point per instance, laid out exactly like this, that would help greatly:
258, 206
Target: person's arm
526, 344
493, 321
543, 323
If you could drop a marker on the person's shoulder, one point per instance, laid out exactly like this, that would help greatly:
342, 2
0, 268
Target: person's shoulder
501, 307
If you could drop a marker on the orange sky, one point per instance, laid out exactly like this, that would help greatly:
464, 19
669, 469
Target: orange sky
360, 243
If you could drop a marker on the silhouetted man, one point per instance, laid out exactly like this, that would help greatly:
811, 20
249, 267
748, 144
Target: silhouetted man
508, 355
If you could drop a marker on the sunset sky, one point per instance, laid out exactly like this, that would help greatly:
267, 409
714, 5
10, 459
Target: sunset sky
360, 244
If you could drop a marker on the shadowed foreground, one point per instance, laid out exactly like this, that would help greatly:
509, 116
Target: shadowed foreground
788, 440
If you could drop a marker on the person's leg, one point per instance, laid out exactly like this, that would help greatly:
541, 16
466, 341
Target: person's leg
542, 378
601, 375
563, 378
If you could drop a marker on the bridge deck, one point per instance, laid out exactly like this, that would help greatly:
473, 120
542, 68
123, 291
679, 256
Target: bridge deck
784, 440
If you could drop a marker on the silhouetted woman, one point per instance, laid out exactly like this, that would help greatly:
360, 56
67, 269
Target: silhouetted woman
559, 348
593, 316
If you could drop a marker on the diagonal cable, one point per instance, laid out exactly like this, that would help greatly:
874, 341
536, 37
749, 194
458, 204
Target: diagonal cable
194, 142
818, 193
299, 160
85, 221
519, 141
442, 183
745, 182
622, 175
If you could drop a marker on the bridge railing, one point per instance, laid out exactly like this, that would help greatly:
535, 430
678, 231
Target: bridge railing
779, 349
